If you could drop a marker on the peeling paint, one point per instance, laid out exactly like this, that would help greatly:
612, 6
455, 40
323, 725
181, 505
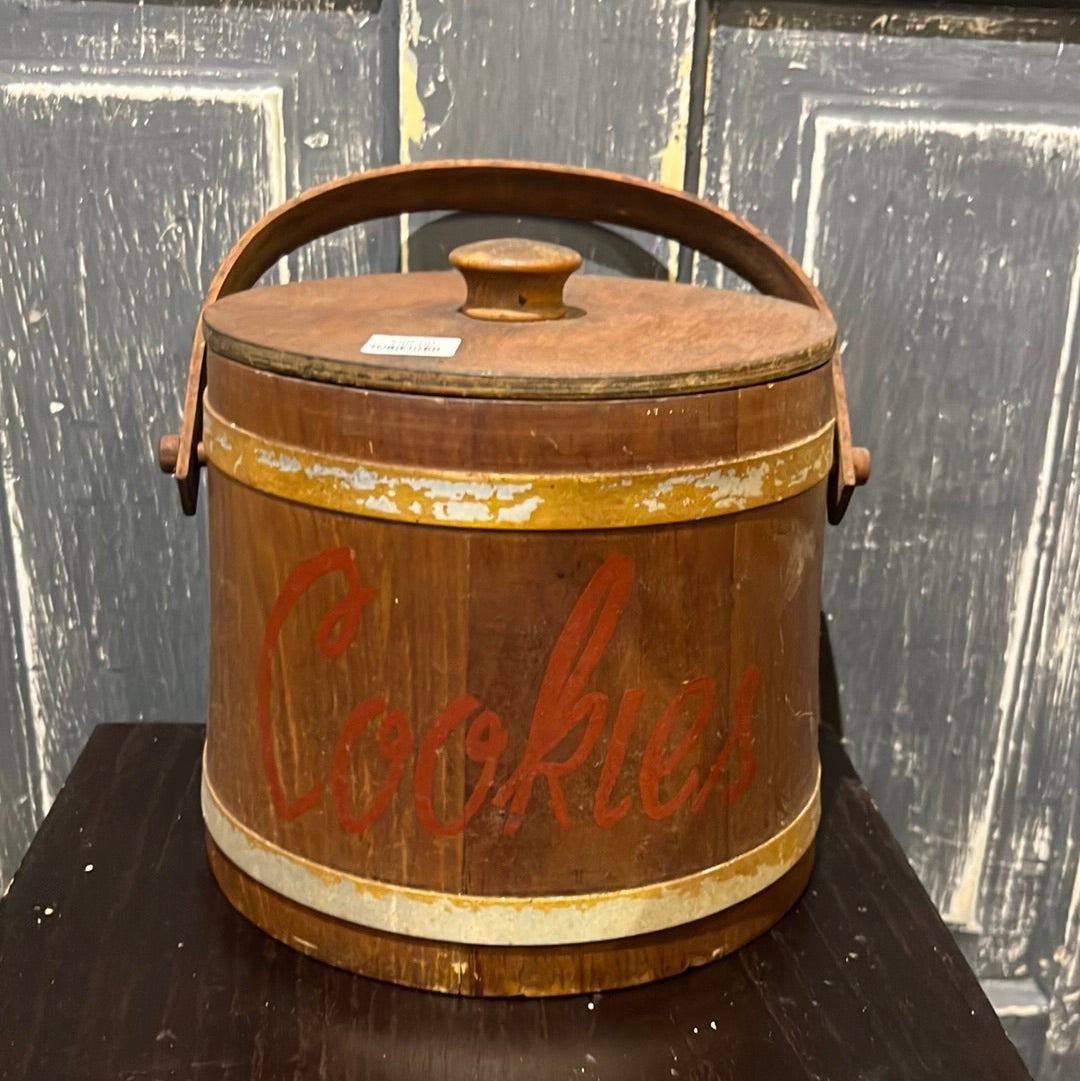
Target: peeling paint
495, 920
522, 513
1020, 652
515, 500
671, 158
413, 128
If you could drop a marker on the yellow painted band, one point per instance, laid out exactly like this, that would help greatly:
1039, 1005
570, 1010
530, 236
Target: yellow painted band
481, 919
432, 496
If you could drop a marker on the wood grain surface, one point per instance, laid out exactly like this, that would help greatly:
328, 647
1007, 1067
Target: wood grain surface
705, 698
621, 339
119, 958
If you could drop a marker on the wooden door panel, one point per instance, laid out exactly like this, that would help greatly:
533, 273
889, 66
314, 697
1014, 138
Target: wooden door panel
600, 85
136, 145
120, 183
931, 187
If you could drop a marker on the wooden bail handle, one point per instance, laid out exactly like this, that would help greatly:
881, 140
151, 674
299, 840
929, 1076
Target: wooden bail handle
506, 187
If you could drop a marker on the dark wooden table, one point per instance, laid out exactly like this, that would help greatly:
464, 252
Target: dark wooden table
119, 960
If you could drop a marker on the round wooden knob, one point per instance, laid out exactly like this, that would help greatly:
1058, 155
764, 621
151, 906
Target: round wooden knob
168, 453
860, 459
514, 280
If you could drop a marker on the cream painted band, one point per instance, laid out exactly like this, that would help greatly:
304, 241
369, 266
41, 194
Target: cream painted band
520, 921
515, 500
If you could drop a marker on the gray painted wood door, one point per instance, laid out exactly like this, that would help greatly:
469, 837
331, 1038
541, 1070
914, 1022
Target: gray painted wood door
135, 145
932, 187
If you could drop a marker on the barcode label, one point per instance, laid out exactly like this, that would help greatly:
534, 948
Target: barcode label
404, 345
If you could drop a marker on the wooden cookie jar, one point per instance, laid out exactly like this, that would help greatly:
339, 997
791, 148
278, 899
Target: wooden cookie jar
515, 584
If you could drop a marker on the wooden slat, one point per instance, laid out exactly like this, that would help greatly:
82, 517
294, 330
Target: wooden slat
600, 85
589, 84
19, 794
1062, 1050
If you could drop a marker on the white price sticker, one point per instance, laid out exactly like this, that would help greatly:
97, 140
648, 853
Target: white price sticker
404, 345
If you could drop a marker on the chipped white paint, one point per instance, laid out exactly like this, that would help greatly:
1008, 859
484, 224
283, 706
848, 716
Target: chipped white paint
521, 513
1020, 653
608, 500
482, 919
411, 121
720, 486
358, 479
263, 98
382, 494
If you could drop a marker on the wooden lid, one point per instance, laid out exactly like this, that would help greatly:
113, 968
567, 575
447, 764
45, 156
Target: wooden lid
604, 338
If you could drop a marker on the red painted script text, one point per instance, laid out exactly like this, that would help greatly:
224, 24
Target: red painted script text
565, 707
